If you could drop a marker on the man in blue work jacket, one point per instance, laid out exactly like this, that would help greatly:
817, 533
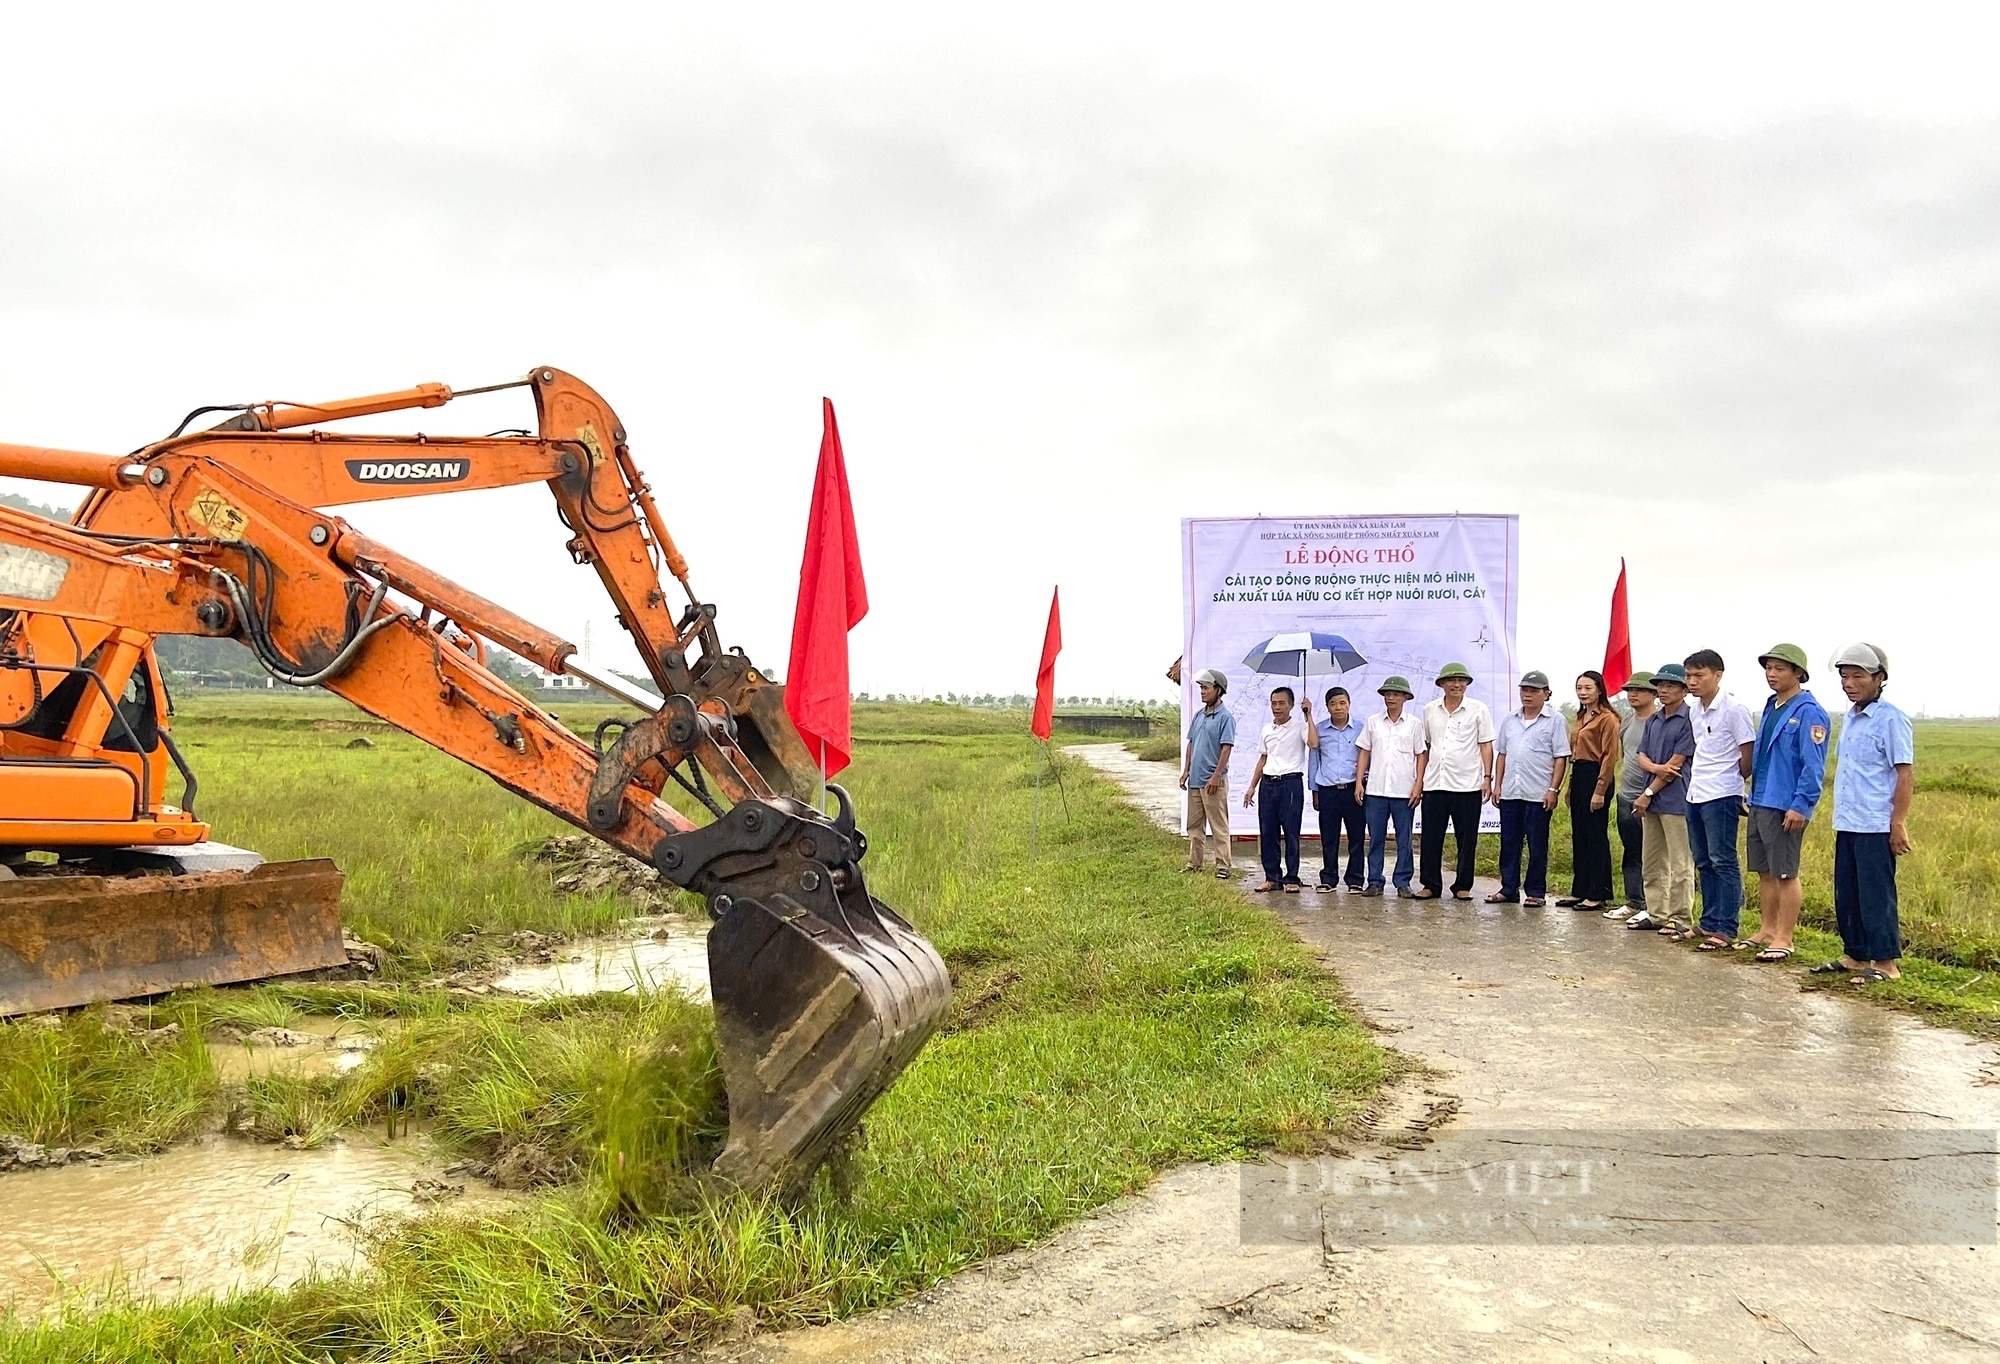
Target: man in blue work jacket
1786, 776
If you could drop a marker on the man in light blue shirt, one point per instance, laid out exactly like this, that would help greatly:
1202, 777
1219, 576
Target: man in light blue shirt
1211, 737
1531, 752
1330, 774
1872, 782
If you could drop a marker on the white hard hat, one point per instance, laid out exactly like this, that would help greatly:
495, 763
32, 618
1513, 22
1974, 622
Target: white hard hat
1867, 657
1209, 677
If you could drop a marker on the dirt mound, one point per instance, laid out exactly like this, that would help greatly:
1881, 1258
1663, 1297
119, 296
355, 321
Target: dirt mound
588, 866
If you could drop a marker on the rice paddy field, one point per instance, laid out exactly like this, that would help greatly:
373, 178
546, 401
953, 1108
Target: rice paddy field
1111, 1018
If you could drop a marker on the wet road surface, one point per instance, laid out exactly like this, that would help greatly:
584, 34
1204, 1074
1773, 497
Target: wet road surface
1618, 1149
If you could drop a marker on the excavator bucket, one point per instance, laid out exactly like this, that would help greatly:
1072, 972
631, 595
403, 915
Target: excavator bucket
69, 940
822, 993
816, 1016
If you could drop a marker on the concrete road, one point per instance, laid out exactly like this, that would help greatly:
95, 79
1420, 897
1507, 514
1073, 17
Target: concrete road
1616, 1149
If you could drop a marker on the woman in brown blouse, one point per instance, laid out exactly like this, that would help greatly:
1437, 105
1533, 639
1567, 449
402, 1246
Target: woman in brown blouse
1593, 770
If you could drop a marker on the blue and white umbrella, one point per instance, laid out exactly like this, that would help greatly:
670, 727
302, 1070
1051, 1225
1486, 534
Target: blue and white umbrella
1297, 653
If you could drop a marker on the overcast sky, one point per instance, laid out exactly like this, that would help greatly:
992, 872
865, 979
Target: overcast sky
1713, 290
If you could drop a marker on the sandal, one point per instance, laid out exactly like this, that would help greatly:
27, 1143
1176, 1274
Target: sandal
1773, 954
1496, 898
1746, 944
1535, 903
1222, 873
1870, 975
1425, 895
1458, 896
1581, 905
1293, 888
1832, 968
1670, 929
1712, 943
1572, 902
1267, 887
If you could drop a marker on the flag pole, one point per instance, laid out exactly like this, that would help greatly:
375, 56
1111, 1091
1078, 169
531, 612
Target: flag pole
1035, 819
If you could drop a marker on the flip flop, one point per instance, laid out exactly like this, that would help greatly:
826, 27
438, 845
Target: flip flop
1581, 905
1293, 890
1746, 943
1870, 975
1456, 896
1712, 943
1222, 873
1832, 968
1571, 902
1773, 954
1496, 898
1535, 903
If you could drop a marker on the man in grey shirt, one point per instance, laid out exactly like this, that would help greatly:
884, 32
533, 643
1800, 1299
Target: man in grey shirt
1641, 696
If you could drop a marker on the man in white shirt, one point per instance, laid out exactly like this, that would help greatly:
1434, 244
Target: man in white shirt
1278, 788
1456, 772
1386, 774
1725, 745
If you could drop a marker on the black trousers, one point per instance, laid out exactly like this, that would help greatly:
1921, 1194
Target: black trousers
1339, 809
1631, 841
1589, 837
1461, 808
1864, 896
1281, 805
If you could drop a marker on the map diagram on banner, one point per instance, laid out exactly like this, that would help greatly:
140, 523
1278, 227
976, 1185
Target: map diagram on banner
1407, 594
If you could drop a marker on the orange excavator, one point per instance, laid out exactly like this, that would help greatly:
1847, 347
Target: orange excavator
822, 993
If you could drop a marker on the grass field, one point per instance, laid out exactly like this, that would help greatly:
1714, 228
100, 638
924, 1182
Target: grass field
1948, 887
1111, 1018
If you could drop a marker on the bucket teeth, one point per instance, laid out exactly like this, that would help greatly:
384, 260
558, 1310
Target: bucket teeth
70, 940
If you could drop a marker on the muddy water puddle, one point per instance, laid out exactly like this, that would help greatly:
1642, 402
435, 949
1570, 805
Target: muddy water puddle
662, 951
215, 1215
313, 1046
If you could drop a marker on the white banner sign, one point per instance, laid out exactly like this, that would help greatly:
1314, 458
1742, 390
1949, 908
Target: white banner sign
1407, 594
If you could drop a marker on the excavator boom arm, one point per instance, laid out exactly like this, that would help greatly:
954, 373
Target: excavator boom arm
822, 993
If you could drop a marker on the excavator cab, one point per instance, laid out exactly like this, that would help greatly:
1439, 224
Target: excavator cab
108, 891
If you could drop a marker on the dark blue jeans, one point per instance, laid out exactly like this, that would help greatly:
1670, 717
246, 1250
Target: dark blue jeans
1379, 811
1712, 840
1864, 897
1281, 808
1338, 809
1524, 823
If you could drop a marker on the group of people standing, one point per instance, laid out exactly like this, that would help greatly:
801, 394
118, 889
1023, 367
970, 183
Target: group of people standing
1680, 768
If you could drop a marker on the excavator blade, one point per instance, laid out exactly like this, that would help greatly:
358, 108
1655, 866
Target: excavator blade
69, 940
817, 1011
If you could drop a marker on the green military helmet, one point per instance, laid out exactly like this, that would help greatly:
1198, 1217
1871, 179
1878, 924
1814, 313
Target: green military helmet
1787, 653
1451, 670
1639, 681
1401, 684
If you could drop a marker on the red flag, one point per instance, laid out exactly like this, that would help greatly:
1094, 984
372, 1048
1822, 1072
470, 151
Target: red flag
1045, 675
832, 600
1618, 644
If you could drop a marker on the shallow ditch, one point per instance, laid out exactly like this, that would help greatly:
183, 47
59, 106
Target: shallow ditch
218, 1214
